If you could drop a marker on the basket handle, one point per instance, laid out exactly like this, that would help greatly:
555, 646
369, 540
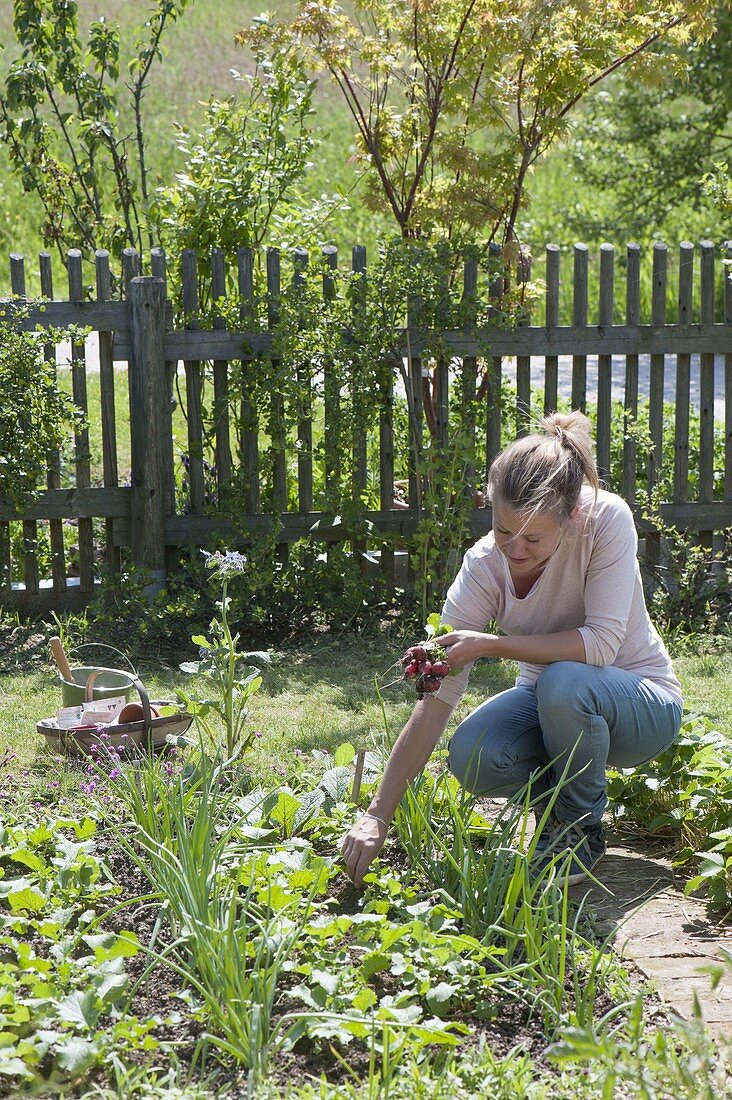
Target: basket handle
144, 699
103, 645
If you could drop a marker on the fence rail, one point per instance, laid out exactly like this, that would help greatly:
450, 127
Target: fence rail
227, 435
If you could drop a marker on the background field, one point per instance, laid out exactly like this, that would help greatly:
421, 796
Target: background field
200, 56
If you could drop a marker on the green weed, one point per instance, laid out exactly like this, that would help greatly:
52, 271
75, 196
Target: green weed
60, 978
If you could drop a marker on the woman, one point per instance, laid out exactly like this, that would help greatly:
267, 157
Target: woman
559, 575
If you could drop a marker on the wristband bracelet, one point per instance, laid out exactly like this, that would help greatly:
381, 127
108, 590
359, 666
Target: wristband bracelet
379, 819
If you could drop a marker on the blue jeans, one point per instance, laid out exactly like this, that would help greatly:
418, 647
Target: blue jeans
611, 716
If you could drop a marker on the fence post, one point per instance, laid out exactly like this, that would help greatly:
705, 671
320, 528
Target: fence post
149, 412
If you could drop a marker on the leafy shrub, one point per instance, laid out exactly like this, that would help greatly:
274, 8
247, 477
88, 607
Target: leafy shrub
690, 587
122, 615
35, 417
312, 586
686, 794
245, 166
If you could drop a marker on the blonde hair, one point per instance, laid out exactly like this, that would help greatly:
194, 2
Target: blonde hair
545, 471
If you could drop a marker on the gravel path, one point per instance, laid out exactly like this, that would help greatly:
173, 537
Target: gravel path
537, 374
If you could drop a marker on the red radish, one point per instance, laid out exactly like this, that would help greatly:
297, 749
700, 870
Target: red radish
425, 664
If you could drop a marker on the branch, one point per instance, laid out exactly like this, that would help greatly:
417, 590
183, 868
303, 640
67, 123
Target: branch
458, 39
19, 155
415, 39
90, 148
70, 145
519, 109
365, 129
124, 190
619, 62
137, 94
436, 105
526, 162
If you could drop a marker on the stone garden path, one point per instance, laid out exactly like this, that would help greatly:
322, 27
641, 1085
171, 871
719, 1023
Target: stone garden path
669, 937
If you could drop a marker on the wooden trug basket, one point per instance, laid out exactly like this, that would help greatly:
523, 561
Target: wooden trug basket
149, 734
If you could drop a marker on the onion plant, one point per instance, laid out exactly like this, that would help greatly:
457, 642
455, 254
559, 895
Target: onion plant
486, 870
225, 945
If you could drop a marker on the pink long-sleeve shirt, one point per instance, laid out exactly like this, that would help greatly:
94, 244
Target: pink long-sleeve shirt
592, 582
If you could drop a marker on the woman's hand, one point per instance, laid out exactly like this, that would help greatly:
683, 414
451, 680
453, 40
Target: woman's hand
465, 646
361, 845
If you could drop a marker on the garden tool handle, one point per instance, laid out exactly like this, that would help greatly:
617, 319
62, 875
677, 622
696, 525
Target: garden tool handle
62, 661
144, 699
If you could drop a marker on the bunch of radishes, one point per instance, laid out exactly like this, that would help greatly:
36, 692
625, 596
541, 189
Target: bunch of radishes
426, 663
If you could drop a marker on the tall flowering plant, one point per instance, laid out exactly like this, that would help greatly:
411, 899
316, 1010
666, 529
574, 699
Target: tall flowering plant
225, 679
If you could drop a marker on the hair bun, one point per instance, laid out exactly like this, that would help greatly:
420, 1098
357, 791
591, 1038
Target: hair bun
545, 471
572, 430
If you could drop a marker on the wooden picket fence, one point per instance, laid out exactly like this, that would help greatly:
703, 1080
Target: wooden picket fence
140, 523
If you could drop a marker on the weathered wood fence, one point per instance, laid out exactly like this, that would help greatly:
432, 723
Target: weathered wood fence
140, 521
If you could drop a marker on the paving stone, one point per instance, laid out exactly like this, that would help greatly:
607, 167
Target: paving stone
667, 935
676, 967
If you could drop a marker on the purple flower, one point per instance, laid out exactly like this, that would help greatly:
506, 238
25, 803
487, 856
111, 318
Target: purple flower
115, 773
226, 564
258, 733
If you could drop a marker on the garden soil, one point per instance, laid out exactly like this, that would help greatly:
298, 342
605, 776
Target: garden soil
662, 934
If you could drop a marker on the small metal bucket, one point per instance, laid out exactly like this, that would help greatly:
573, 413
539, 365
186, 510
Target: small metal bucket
107, 682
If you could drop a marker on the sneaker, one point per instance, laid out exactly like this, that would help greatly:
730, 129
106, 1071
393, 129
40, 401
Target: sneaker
583, 845
547, 838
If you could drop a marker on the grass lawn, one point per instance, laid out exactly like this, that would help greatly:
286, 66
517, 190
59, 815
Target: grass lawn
706, 676
320, 693
317, 695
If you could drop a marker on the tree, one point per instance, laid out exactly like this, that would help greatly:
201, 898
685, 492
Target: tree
60, 118
639, 149
454, 101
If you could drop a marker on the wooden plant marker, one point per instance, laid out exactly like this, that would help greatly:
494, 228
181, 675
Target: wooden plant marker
358, 776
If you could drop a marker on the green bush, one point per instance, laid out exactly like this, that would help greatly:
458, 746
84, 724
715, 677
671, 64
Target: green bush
686, 795
35, 417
